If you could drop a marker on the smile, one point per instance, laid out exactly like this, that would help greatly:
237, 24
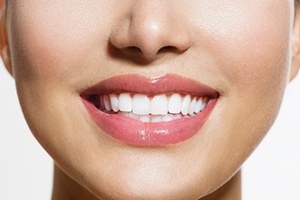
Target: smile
158, 108
142, 111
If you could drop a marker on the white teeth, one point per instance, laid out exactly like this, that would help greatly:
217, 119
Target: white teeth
198, 105
168, 117
125, 102
192, 106
114, 100
141, 104
159, 105
145, 118
134, 116
158, 109
175, 104
151, 118
177, 116
204, 103
106, 103
186, 104
156, 118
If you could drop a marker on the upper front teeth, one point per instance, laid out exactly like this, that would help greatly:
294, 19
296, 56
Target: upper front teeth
161, 104
141, 104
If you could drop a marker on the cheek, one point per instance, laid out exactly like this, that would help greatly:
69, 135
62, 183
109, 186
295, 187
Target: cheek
256, 59
249, 48
254, 45
257, 62
53, 41
248, 44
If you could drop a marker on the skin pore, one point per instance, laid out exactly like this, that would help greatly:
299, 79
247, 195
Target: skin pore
57, 49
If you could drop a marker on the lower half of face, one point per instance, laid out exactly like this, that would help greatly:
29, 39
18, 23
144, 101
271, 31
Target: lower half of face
159, 99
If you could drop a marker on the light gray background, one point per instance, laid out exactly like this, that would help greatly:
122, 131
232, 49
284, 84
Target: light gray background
272, 172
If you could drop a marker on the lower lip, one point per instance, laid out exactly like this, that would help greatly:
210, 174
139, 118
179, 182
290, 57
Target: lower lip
133, 132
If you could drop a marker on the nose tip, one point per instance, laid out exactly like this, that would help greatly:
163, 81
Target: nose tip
149, 32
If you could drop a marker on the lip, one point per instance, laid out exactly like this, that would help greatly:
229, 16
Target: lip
133, 132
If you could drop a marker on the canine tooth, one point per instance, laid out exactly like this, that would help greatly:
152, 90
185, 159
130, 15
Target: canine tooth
125, 102
140, 104
185, 104
106, 103
198, 105
144, 118
175, 104
159, 105
192, 106
114, 101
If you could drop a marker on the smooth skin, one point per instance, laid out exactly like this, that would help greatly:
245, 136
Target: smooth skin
245, 50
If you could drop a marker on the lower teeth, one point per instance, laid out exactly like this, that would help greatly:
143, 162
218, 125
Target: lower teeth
152, 118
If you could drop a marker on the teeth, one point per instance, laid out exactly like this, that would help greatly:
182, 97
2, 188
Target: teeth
192, 106
159, 105
145, 118
125, 114
186, 104
141, 104
125, 102
156, 118
177, 116
204, 103
114, 100
175, 103
131, 115
151, 118
168, 117
106, 103
159, 108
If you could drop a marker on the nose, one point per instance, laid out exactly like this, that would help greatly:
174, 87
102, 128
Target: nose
149, 30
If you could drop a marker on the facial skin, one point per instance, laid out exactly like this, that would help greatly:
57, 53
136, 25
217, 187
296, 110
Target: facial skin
242, 49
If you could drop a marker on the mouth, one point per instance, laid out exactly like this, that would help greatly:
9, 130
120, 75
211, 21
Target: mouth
142, 111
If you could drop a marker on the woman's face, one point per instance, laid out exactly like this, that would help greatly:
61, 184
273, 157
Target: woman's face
69, 57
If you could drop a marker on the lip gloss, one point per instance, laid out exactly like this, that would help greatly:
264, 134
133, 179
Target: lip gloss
149, 134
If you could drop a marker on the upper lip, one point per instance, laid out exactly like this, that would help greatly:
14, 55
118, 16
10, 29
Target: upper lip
138, 84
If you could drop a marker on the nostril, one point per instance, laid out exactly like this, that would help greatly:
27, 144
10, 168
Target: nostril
167, 49
133, 50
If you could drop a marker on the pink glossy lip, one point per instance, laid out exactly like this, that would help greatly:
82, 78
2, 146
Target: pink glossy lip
134, 132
